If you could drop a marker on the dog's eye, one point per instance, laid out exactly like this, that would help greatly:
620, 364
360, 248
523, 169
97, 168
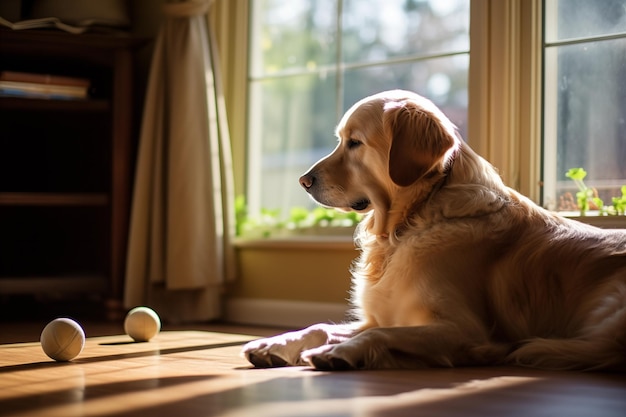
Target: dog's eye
353, 143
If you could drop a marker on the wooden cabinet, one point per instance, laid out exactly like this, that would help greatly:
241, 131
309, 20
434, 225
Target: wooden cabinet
65, 167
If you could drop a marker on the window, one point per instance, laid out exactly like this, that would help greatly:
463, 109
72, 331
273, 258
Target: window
310, 60
584, 97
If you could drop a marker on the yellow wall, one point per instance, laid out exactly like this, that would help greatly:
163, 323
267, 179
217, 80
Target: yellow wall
302, 271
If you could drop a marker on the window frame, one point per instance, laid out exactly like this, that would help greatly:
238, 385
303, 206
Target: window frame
505, 111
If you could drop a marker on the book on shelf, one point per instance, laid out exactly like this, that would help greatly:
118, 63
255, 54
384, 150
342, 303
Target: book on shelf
31, 77
37, 90
43, 23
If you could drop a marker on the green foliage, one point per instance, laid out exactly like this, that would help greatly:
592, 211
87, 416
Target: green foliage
269, 222
619, 203
587, 197
241, 213
577, 174
584, 194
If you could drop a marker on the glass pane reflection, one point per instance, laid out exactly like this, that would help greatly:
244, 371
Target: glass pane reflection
567, 19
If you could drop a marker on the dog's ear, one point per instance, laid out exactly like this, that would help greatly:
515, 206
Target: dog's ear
418, 141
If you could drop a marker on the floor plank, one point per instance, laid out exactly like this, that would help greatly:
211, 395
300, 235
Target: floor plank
200, 373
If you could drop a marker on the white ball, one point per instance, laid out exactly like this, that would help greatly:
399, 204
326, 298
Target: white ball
142, 324
62, 339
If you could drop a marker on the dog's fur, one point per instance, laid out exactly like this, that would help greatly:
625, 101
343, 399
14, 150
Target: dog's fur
455, 268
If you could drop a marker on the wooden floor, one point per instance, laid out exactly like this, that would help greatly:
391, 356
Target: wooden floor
200, 373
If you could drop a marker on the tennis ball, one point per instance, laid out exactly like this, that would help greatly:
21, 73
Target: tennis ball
62, 339
142, 324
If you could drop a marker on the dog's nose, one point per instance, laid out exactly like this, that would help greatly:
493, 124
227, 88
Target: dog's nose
306, 181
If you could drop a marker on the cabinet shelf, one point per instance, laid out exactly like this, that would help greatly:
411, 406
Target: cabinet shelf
93, 283
54, 199
66, 168
38, 104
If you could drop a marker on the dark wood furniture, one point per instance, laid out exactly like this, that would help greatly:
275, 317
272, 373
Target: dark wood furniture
65, 167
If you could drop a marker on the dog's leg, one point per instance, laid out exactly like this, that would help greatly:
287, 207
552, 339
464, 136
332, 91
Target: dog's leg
435, 345
285, 349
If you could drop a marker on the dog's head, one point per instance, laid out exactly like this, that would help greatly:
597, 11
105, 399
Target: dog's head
393, 147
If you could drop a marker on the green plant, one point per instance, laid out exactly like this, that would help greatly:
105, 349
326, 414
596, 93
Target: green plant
269, 222
619, 203
262, 225
587, 198
241, 214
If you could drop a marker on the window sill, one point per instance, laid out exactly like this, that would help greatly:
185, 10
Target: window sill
297, 242
323, 237
593, 219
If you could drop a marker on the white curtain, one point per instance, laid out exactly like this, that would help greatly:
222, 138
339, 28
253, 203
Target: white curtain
179, 252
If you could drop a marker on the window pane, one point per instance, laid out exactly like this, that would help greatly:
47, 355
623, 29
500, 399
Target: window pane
590, 115
393, 28
292, 35
584, 18
303, 76
291, 127
442, 80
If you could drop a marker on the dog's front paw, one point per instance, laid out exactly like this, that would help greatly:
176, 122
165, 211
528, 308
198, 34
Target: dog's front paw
364, 351
271, 353
331, 358
284, 349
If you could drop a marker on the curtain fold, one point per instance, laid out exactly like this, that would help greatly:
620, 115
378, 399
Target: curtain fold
182, 219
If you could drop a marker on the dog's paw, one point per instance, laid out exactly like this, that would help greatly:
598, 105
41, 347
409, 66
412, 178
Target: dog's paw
283, 350
266, 356
367, 350
340, 357
271, 353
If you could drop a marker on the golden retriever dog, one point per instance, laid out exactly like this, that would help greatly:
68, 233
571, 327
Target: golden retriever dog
455, 269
